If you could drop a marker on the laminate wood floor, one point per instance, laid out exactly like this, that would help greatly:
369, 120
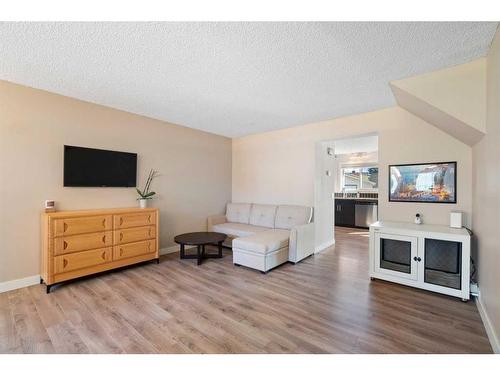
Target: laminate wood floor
325, 304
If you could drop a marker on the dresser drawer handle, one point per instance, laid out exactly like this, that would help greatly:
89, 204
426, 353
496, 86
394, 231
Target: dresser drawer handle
121, 220
65, 245
121, 236
104, 239
65, 262
103, 255
149, 232
104, 223
65, 227
121, 251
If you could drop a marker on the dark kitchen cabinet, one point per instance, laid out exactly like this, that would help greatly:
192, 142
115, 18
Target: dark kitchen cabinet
344, 212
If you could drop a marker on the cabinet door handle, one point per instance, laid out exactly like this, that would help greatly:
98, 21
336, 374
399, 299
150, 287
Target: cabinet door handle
415, 259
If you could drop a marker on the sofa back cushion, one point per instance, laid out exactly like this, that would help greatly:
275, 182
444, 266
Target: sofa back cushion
288, 217
263, 215
238, 212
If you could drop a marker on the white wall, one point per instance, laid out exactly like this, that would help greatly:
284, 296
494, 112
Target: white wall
486, 219
279, 166
323, 196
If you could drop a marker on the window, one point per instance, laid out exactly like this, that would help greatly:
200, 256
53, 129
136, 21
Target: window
359, 178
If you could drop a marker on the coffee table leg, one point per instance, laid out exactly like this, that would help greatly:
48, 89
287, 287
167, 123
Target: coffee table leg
182, 251
199, 254
220, 249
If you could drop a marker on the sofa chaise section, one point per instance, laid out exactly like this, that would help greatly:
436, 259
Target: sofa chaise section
265, 236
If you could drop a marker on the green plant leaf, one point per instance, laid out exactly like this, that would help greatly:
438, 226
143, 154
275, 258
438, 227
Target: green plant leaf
150, 194
139, 192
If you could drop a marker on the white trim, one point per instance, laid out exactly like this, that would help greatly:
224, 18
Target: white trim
172, 249
490, 331
324, 246
19, 283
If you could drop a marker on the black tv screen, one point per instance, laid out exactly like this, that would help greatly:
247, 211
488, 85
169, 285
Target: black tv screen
91, 167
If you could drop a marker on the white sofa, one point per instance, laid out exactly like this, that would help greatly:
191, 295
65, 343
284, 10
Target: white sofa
264, 236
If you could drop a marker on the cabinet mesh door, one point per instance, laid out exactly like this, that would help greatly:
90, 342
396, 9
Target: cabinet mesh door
443, 263
395, 255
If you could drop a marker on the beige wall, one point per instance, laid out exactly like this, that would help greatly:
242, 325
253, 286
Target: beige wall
278, 167
486, 188
34, 125
460, 91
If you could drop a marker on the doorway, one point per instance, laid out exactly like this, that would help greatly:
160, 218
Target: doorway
346, 186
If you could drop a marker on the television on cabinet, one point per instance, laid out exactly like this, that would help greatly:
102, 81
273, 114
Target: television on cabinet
90, 167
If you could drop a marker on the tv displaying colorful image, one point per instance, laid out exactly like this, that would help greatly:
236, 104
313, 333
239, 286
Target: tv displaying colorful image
431, 182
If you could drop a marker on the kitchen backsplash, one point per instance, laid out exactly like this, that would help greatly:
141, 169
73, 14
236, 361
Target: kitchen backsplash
354, 195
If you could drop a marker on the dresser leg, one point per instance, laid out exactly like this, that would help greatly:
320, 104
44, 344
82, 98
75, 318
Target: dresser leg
157, 260
41, 280
48, 288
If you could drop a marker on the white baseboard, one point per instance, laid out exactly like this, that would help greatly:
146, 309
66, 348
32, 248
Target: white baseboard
490, 331
19, 283
324, 246
173, 249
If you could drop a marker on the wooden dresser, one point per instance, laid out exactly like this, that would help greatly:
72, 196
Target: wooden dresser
80, 243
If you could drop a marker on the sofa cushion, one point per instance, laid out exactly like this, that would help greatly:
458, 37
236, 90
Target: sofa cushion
288, 217
263, 215
238, 213
237, 229
263, 242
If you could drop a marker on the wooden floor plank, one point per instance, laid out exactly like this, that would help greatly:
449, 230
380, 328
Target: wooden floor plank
324, 304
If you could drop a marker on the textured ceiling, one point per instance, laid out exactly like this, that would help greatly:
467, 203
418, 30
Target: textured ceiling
234, 78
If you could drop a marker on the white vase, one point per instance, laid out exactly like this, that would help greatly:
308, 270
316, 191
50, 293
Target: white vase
143, 203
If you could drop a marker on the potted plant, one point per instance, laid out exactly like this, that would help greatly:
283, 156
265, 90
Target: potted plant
145, 194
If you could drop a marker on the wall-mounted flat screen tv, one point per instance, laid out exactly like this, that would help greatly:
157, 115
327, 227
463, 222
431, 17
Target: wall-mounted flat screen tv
90, 167
427, 183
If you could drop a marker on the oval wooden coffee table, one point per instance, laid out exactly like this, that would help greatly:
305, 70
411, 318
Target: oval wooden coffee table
200, 240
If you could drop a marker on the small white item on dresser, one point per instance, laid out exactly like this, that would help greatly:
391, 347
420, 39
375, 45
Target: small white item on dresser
50, 205
455, 219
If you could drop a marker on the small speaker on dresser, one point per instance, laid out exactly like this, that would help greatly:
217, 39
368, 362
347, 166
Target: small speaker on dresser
456, 219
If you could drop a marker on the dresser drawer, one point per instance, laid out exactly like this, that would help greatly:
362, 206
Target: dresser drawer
85, 224
134, 219
83, 259
133, 249
134, 234
79, 242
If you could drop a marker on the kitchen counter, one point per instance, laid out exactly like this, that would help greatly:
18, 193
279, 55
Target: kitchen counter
358, 199
355, 212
